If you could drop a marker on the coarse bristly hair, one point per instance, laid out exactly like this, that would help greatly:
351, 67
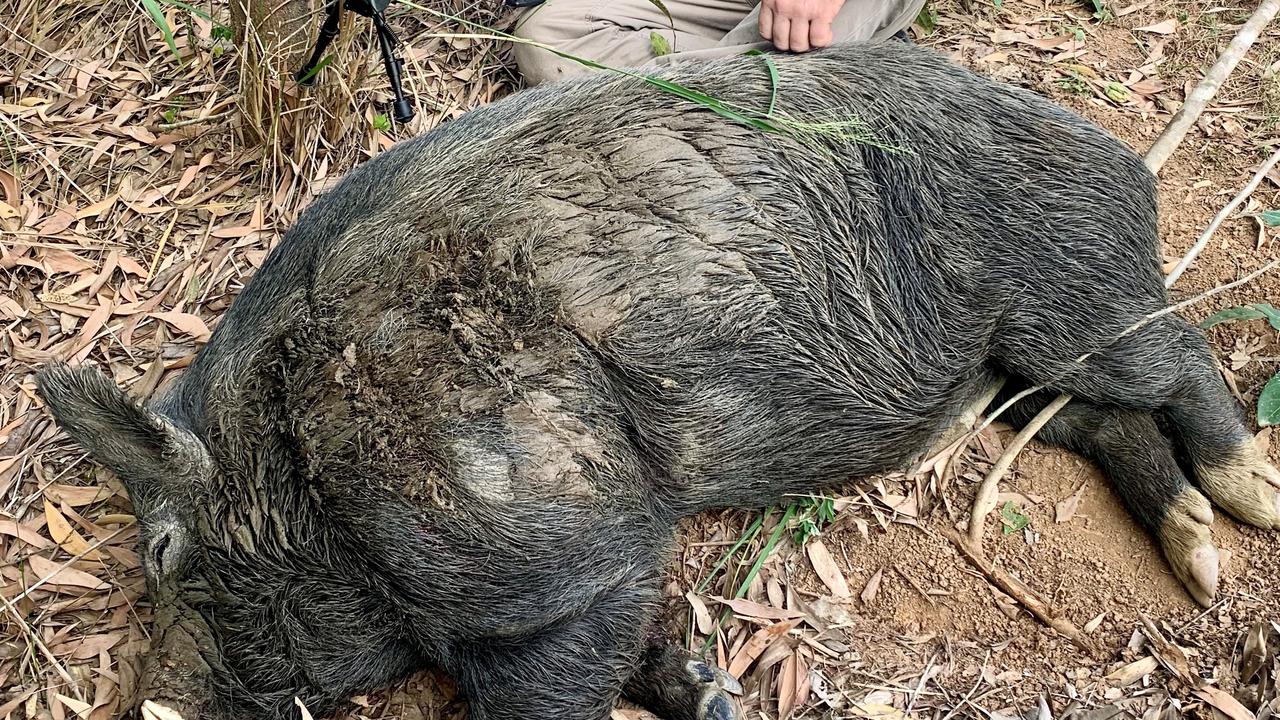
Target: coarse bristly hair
454, 417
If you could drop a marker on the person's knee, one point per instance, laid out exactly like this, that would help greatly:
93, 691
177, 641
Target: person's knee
556, 24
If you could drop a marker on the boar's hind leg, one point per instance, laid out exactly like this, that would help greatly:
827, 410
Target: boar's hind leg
677, 686
1139, 461
1167, 366
1225, 461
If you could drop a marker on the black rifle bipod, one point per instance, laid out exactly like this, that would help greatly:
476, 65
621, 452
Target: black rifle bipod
387, 42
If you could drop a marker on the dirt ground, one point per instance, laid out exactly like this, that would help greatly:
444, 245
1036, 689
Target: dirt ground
136, 203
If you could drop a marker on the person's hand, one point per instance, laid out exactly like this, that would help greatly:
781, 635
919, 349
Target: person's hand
798, 25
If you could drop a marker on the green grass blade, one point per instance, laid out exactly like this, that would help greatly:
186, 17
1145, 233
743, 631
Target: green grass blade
324, 62
764, 553
849, 130
1244, 313
662, 7
745, 585
774, 81
752, 530
157, 15
189, 8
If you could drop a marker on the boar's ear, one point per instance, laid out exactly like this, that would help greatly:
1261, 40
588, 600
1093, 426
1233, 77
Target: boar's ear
145, 450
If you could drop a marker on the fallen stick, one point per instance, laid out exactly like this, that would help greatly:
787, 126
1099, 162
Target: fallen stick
1221, 217
989, 491
1026, 597
1199, 98
1155, 159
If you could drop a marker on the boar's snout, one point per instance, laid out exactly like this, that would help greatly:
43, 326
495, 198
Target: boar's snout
176, 681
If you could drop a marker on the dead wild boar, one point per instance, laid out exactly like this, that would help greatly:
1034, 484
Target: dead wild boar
456, 415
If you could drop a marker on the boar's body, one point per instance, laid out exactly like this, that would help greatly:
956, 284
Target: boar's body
455, 415
597, 295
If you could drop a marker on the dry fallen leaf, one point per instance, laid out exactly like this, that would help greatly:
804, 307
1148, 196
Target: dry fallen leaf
1165, 28
702, 616
1224, 702
81, 709
873, 587
62, 533
1067, 509
758, 643
1255, 651
77, 496
185, 322
58, 577
23, 533
876, 711
1093, 624
825, 566
787, 688
756, 610
154, 711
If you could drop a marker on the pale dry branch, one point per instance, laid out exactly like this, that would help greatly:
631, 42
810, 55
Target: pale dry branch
1195, 104
1220, 218
985, 501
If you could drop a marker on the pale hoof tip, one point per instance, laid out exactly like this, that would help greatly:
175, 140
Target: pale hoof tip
1203, 580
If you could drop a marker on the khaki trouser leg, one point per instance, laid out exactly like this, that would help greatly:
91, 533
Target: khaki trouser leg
617, 32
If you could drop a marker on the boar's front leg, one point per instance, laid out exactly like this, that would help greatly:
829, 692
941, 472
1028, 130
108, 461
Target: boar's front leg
678, 686
572, 670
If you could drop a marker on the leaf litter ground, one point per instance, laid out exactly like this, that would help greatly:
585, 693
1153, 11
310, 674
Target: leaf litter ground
133, 212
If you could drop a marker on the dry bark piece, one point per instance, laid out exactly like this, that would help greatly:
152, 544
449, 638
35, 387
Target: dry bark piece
1133, 672
1168, 653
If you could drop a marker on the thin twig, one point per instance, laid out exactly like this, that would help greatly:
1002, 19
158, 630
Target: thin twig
34, 637
40, 583
989, 491
1026, 597
990, 418
166, 126
1199, 98
1221, 217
